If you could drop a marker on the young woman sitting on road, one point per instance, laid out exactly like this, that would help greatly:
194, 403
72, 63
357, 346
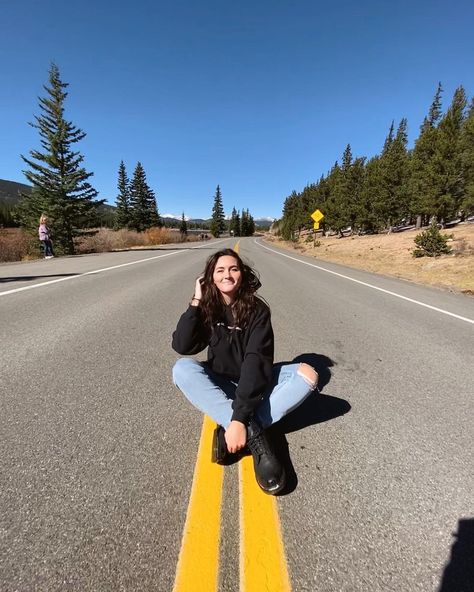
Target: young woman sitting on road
239, 387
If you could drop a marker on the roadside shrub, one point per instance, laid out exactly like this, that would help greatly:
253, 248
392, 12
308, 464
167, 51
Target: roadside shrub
16, 245
431, 243
105, 239
162, 236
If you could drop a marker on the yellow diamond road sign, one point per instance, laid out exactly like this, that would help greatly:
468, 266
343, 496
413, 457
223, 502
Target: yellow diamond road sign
317, 216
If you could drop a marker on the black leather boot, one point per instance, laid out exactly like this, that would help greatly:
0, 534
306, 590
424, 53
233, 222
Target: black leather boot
220, 453
269, 471
219, 447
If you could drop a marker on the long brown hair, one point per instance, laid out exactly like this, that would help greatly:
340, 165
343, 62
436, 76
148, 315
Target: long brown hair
212, 302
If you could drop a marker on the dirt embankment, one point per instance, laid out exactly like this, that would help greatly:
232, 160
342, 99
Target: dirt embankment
391, 254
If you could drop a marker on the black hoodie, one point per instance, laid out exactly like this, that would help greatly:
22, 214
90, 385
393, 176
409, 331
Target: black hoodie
243, 355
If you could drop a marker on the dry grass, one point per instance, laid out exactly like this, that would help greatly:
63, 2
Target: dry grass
391, 254
105, 240
17, 245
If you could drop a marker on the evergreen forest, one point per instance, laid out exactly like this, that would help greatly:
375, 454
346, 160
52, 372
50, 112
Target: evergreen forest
433, 181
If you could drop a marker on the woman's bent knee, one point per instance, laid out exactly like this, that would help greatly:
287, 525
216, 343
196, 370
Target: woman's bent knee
182, 368
309, 374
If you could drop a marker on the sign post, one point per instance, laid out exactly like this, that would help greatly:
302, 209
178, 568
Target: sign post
317, 216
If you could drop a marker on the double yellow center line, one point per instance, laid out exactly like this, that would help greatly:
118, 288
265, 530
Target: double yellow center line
263, 565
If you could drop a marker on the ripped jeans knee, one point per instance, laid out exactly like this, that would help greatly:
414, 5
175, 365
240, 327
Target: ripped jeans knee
309, 374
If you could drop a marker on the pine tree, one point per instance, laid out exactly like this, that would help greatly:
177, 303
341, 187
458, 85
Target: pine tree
431, 243
247, 224
389, 139
60, 182
251, 224
237, 223
370, 219
467, 157
183, 227
356, 184
447, 160
349, 189
234, 224
218, 225
310, 200
423, 183
7, 215
332, 215
342, 210
144, 213
123, 212
434, 113
244, 224
392, 202
155, 220
289, 222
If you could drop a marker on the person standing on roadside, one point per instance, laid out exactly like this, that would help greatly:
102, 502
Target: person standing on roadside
44, 234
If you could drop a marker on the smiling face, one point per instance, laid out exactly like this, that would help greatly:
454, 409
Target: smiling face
227, 277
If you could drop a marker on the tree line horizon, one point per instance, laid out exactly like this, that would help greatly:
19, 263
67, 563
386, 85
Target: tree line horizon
61, 189
434, 181
137, 208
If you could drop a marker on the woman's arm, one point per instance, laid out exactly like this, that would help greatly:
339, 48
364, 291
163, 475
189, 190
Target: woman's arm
191, 336
256, 370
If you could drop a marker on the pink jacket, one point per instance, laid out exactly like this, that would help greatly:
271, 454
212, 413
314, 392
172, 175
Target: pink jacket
43, 232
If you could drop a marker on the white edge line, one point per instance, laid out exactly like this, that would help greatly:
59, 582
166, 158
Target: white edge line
73, 277
346, 277
79, 275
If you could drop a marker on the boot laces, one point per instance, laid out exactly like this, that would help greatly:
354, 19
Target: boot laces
259, 445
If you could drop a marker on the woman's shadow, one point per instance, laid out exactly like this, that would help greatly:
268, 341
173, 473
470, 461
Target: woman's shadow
315, 409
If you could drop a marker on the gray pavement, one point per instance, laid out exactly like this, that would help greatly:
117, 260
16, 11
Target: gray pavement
98, 448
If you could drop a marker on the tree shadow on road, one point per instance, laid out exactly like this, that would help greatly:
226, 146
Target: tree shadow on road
315, 409
458, 575
30, 278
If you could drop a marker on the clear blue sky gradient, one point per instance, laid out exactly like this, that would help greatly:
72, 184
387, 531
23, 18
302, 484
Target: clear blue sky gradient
259, 97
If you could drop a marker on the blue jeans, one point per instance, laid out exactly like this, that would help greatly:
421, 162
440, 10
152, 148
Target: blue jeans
212, 393
47, 247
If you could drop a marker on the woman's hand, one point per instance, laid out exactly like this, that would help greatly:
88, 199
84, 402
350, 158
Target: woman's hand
236, 436
198, 288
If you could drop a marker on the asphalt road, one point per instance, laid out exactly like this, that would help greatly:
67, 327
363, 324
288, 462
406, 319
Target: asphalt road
98, 447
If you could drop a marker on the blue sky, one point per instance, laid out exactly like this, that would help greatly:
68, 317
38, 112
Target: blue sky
260, 97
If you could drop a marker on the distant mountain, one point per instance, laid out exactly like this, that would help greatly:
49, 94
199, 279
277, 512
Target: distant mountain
10, 194
264, 222
172, 219
10, 191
